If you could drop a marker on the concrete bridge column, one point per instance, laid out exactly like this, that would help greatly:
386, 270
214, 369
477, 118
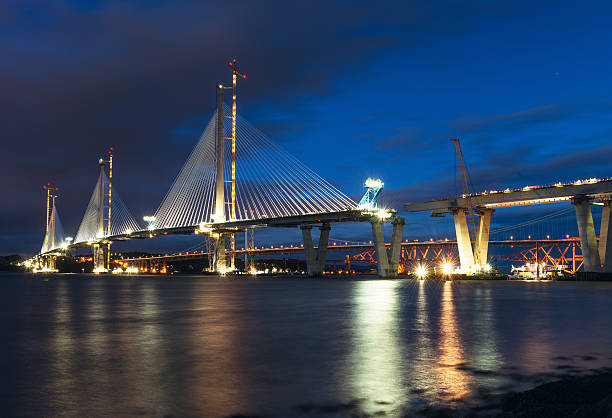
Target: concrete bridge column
396, 245
100, 262
315, 259
381, 250
605, 238
588, 239
464, 243
482, 237
323, 244
49, 262
219, 259
387, 265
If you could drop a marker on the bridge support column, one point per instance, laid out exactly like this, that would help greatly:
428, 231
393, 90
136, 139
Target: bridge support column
49, 262
588, 239
396, 245
315, 259
380, 248
219, 259
100, 260
605, 237
387, 266
464, 243
482, 237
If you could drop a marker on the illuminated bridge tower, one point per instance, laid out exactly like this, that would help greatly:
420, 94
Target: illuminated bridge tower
106, 218
219, 258
101, 248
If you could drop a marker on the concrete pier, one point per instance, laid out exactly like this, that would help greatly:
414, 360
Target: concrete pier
586, 231
219, 258
315, 258
380, 248
387, 266
482, 237
464, 243
396, 244
100, 257
605, 235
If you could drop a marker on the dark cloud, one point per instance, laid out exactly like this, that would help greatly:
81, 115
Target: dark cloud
513, 121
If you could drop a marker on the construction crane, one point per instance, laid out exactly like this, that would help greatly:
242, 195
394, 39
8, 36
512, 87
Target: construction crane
466, 183
233, 65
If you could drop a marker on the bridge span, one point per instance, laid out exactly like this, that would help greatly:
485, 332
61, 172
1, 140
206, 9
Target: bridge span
582, 194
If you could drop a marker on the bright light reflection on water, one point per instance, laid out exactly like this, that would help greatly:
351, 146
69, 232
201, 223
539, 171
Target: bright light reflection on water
376, 361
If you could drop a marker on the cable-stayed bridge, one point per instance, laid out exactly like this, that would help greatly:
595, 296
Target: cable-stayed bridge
234, 179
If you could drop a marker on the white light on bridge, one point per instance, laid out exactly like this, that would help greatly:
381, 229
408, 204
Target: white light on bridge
149, 220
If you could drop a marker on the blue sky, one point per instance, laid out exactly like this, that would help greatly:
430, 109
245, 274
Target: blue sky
355, 89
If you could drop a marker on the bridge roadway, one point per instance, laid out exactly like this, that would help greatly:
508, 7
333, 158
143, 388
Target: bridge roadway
315, 255
530, 195
350, 215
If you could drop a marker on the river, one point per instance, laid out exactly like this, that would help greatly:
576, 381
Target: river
85, 345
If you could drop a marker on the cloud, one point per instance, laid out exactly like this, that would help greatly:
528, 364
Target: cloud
513, 121
397, 142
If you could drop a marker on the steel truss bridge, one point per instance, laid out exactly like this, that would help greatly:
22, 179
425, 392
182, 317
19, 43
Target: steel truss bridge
561, 255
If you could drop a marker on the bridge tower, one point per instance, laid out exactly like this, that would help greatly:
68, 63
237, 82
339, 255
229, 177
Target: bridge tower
99, 254
49, 260
219, 263
101, 248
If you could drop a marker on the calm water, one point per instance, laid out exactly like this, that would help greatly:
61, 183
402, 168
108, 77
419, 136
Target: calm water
77, 345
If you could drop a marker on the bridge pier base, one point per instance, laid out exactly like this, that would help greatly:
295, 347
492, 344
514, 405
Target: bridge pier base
464, 243
388, 266
315, 259
586, 231
605, 238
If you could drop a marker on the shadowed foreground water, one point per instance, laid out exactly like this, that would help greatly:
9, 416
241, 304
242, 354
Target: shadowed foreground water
81, 345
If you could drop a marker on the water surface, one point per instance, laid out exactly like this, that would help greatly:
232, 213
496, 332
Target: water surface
80, 345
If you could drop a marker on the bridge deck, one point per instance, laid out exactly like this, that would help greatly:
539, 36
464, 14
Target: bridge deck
594, 189
349, 215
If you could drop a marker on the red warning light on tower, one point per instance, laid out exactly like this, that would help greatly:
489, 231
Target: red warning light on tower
234, 67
